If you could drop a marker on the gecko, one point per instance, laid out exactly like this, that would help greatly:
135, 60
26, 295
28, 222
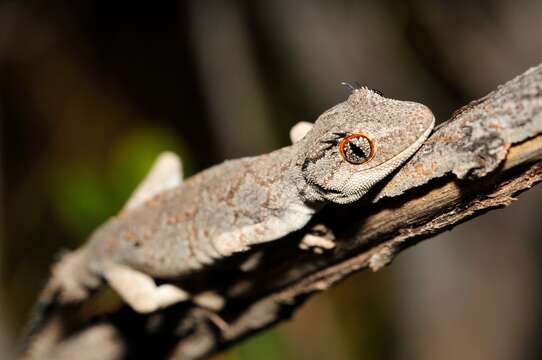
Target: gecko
171, 228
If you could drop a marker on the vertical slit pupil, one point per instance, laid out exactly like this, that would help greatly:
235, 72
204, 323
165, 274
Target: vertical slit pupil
356, 149
359, 150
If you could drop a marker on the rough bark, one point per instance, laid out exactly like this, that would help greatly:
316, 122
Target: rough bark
480, 159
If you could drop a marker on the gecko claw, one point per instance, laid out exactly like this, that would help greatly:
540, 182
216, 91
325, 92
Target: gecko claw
319, 239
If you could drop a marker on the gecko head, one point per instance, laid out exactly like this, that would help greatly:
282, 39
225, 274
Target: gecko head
358, 143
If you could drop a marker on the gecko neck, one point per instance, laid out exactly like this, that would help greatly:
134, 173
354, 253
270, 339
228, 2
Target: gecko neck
306, 192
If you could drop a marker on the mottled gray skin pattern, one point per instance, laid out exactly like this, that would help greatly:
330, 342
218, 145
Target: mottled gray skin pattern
181, 229
238, 203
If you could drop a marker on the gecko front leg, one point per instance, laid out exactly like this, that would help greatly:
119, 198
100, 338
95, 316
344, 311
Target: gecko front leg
320, 237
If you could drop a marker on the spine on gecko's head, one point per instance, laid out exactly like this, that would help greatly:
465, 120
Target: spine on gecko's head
358, 143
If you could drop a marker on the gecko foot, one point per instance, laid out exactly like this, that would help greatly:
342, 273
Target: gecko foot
73, 278
319, 238
140, 291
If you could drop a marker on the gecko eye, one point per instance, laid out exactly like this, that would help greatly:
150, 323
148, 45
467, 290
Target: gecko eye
357, 148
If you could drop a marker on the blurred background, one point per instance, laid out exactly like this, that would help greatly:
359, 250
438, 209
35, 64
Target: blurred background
92, 91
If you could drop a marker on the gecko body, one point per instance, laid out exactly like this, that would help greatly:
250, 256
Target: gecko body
172, 228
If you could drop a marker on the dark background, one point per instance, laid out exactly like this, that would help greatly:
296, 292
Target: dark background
92, 91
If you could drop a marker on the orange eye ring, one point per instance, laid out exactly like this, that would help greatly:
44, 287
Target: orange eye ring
348, 138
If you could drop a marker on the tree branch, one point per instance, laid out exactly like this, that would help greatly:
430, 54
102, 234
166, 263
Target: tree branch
486, 154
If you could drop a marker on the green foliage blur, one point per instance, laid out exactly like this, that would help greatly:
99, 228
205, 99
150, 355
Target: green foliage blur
84, 197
